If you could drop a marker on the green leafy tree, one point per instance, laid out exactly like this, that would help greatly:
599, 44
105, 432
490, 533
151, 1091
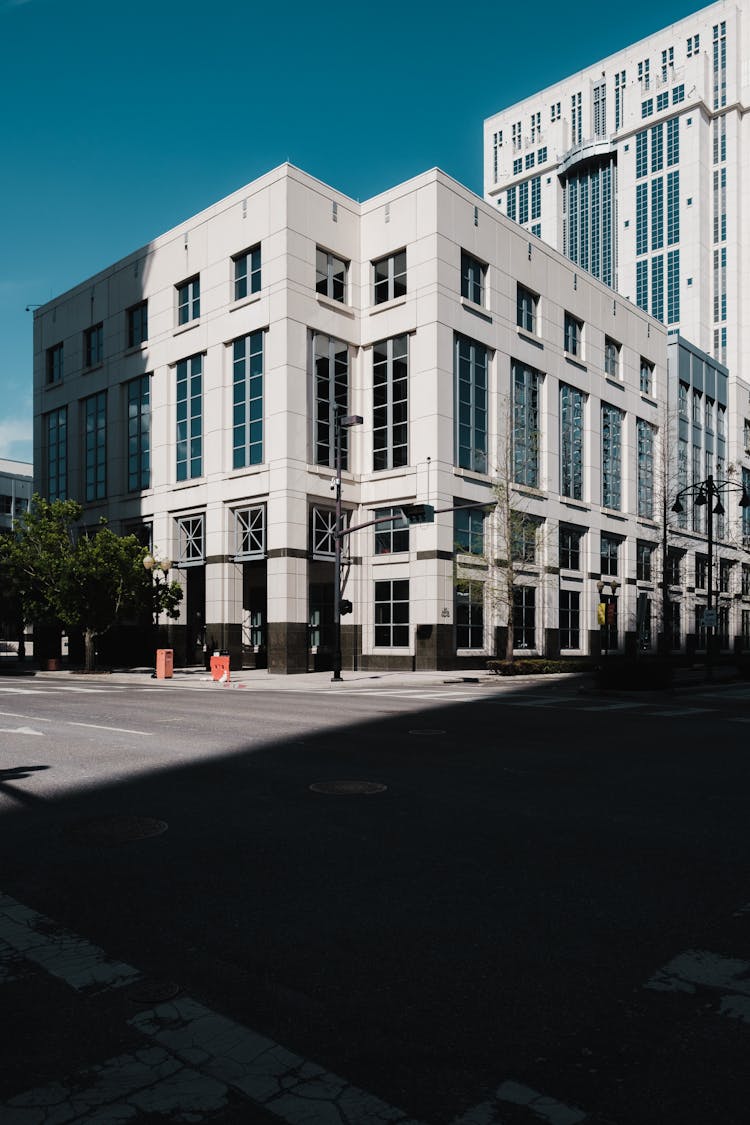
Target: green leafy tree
81, 580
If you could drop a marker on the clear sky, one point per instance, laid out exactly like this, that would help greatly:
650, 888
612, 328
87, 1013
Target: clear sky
118, 121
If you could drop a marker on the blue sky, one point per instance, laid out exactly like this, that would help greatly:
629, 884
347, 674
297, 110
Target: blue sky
121, 120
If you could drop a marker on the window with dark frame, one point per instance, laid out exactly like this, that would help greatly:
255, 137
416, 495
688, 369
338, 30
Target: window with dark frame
390, 538
137, 324
246, 273
524, 617
189, 300
609, 554
644, 553
469, 615
468, 530
570, 548
473, 275
527, 304
93, 345
570, 619
331, 274
392, 613
55, 364
573, 335
389, 277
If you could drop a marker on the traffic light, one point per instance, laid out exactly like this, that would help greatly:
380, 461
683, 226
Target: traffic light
419, 513
345, 606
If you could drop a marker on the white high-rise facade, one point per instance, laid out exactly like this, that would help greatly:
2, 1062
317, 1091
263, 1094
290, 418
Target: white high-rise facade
634, 169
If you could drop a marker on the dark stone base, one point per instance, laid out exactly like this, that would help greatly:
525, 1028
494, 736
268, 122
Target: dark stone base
287, 647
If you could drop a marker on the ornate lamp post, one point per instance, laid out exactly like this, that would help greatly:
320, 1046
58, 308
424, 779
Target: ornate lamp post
606, 620
707, 493
154, 566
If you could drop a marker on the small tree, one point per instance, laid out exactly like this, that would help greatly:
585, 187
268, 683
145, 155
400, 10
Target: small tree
88, 581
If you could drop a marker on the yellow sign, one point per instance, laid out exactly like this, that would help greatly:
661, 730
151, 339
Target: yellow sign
601, 611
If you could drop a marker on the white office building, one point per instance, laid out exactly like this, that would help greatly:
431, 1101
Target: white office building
189, 393
637, 169
15, 490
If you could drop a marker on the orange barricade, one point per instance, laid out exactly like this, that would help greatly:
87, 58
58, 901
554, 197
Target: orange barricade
164, 663
220, 669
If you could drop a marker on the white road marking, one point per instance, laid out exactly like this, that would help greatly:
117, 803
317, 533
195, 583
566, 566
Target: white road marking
118, 730
147, 1081
542, 1106
211, 1047
611, 707
684, 713
15, 715
22, 691
60, 952
699, 967
20, 730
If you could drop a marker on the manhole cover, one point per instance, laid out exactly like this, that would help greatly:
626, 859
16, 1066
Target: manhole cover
348, 788
148, 991
117, 829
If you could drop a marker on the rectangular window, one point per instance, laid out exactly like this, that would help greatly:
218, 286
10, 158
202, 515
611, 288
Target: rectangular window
674, 567
530, 159
644, 78
746, 511
189, 300
612, 419
390, 421
641, 284
93, 345
745, 589
55, 364
644, 553
619, 98
611, 358
678, 94
390, 538
673, 208
662, 101
137, 324
330, 275
56, 441
389, 277
641, 154
657, 213
469, 615
527, 304
600, 110
570, 548
573, 335
683, 401
641, 218
725, 576
609, 553
647, 108
701, 572
518, 166
250, 532
392, 613
246, 273
323, 532
247, 401
523, 202
510, 205
139, 433
576, 122
524, 617
526, 383
647, 377
570, 619
473, 274
330, 393
191, 539
571, 442
673, 286
468, 530
657, 287
657, 147
673, 141
470, 383
189, 447
536, 198
524, 532
645, 482
95, 446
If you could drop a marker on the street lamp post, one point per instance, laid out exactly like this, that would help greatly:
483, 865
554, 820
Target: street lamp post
153, 566
341, 423
705, 492
604, 622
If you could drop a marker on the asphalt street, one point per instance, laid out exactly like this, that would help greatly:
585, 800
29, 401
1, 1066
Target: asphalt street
448, 903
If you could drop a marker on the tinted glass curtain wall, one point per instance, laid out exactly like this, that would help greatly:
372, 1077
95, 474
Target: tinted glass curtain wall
590, 219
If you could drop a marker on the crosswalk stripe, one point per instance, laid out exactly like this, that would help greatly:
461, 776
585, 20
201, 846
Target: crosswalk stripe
149, 1080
